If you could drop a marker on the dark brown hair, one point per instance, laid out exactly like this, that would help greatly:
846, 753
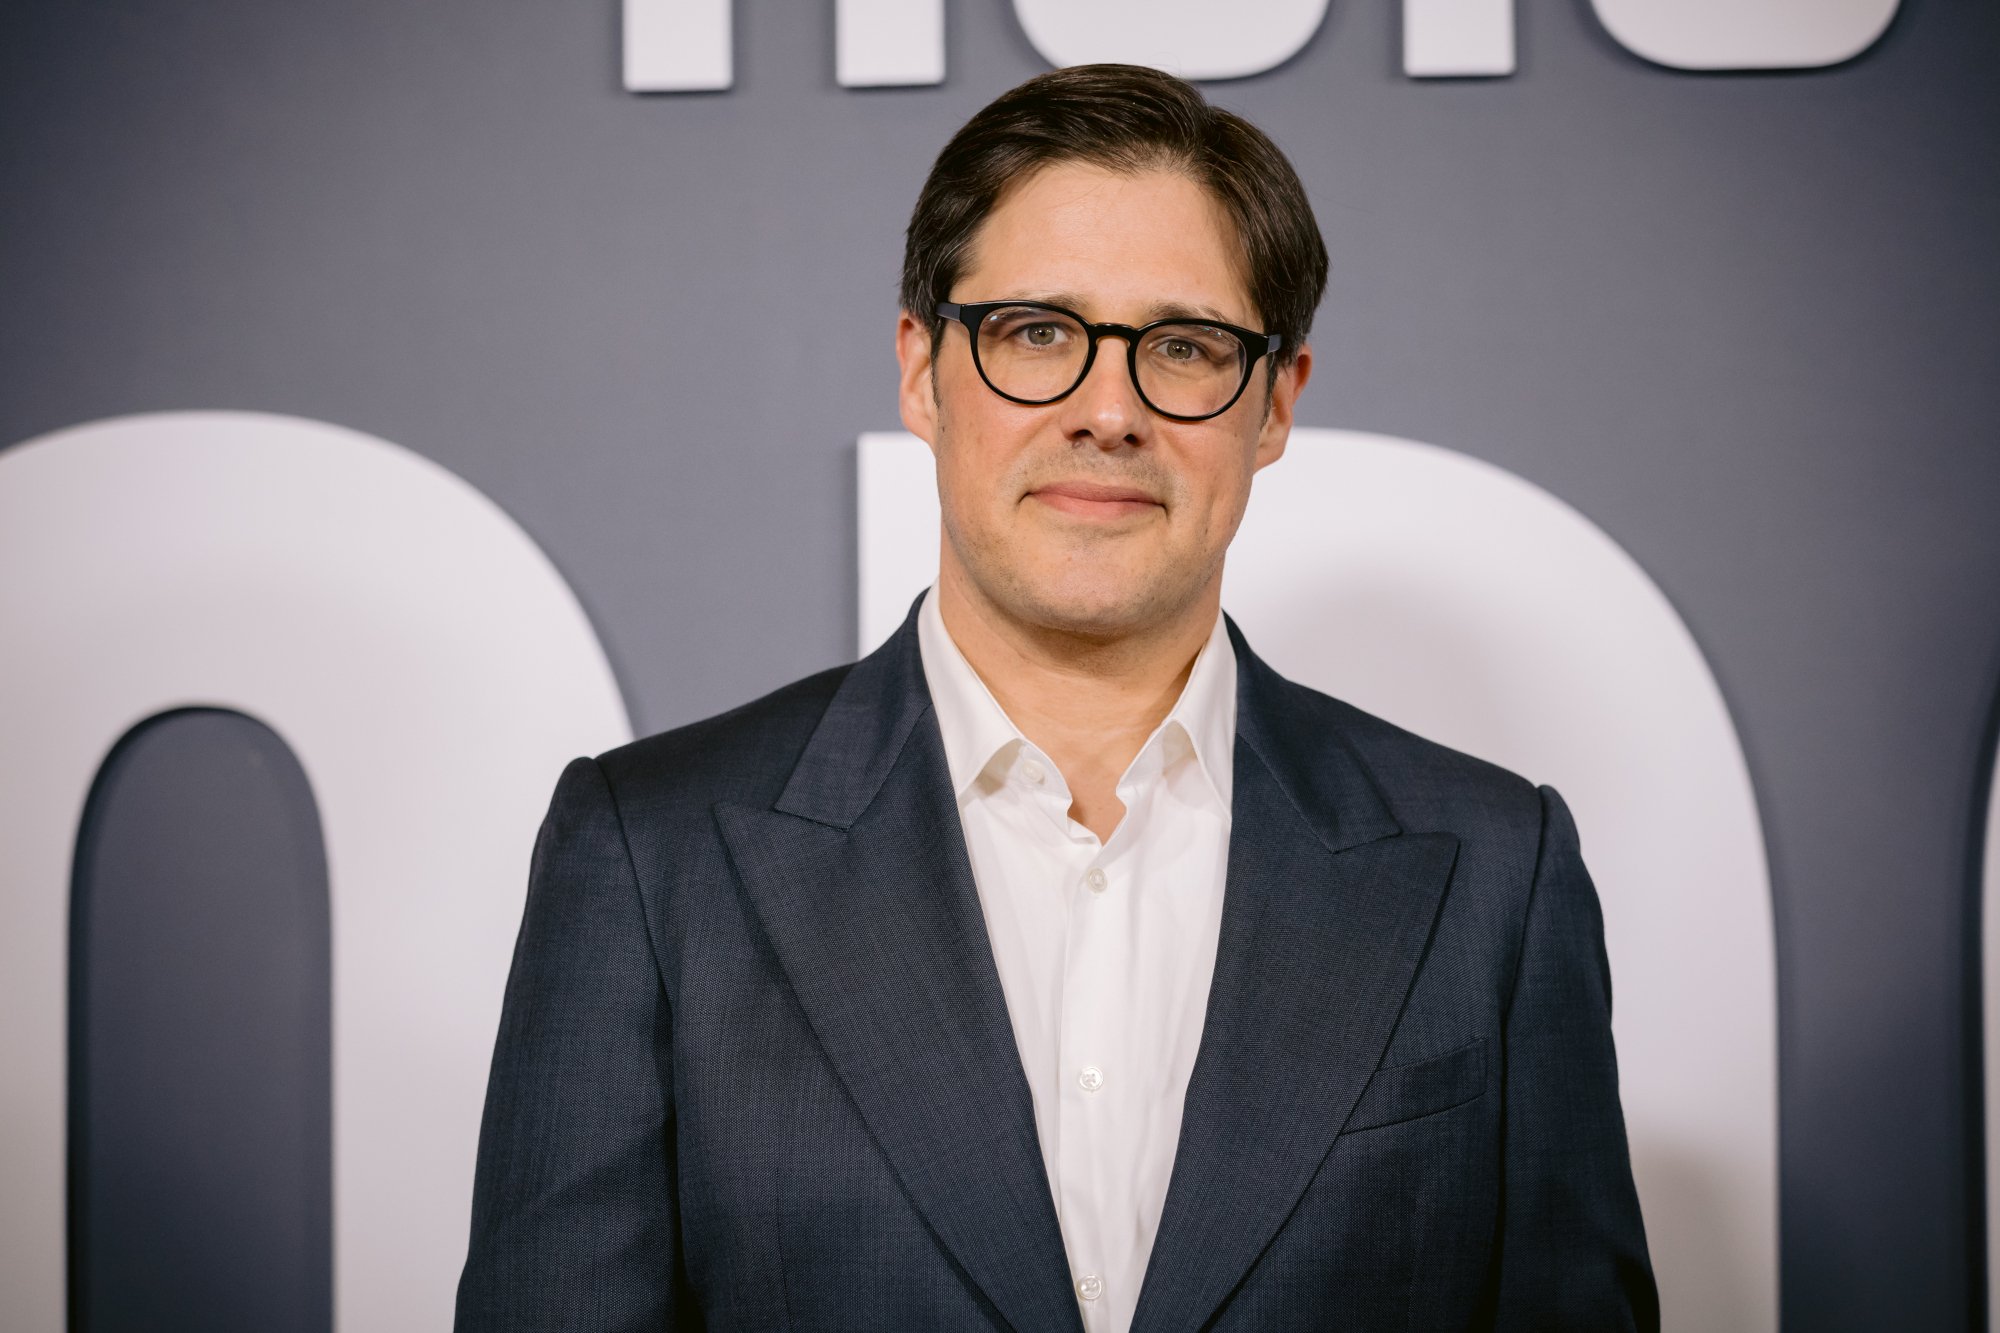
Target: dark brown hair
1125, 118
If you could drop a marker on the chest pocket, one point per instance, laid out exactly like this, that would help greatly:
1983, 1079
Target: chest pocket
1421, 1088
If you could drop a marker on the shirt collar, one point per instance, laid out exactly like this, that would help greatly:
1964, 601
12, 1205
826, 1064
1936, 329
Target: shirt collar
976, 729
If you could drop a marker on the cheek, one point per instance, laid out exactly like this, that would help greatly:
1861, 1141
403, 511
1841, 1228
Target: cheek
981, 460
1218, 489
973, 487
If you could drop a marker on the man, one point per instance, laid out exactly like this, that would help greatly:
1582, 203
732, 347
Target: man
1059, 965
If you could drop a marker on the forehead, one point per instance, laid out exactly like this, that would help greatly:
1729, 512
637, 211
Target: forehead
1122, 240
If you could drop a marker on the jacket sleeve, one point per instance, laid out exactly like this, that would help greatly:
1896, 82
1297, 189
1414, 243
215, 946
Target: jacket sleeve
573, 1205
1572, 1250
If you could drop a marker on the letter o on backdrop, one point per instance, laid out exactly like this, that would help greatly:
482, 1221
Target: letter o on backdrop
1469, 605
1746, 34
431, 670
1197, 40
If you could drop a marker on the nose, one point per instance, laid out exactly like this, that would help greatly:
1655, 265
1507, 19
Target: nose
1105, 409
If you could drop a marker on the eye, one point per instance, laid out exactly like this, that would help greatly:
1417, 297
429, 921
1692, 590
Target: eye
1025, 329
1188, 347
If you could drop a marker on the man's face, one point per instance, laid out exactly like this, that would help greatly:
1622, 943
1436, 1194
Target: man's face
1094, 515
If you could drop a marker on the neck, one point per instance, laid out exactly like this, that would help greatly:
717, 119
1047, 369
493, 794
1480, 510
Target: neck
1088, 703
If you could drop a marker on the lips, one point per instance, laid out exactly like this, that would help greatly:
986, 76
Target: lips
1090, 499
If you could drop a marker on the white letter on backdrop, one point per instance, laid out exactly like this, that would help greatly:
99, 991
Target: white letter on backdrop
888, 43
1454, 598
1455, 39
1196, 39
685, 45
1746, 34
431, 670
678, 45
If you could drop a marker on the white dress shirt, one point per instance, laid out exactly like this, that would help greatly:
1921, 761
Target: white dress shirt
1105, 949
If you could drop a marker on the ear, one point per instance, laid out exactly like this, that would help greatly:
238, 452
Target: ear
1285, 389
914, 391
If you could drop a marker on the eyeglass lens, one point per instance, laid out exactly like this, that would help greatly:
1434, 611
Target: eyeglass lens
1183, 369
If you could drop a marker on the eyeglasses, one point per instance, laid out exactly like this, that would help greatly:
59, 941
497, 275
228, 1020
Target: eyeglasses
1033, 353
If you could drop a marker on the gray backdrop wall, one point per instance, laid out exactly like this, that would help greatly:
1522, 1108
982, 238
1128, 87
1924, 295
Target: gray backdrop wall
1744, 322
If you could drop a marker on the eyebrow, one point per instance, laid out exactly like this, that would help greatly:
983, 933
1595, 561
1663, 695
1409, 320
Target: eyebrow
1155, 311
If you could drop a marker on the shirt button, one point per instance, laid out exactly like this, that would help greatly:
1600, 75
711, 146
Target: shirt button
1096, 880
1033, 772
1091, 1079
1090, 1286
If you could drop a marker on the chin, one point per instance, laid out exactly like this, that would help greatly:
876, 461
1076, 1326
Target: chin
1096, 608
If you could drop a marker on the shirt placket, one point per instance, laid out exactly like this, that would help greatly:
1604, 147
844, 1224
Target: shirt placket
1096, 1077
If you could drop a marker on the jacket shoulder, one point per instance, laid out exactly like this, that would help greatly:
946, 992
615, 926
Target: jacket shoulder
744, 755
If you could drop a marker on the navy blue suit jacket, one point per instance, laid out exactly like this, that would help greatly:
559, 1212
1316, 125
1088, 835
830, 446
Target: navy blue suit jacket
755, 1069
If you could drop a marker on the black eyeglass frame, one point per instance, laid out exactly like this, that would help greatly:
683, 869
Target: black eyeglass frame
1256, 346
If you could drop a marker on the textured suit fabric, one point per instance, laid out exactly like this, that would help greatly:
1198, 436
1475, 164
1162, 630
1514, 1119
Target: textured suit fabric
755, 1070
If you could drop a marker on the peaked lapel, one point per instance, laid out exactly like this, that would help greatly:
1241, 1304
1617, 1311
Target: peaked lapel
1327, 908
861, 881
